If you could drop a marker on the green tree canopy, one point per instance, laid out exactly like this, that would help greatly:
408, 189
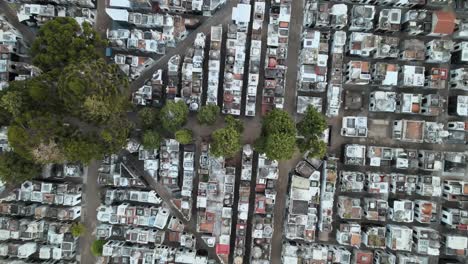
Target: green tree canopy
62, 41
280, 146
16, 169
174, 115
76, 109
82, 149
94, 90
151, 139
311, 128
208, 114
278, 139
78, 229
148, 117
313, 124
317, 148
225, 142
234, 123
184, 136
97, 247
12, 102
278, 121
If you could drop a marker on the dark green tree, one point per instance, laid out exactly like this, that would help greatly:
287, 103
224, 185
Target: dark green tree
88, 117
82, 149
184, 136
280, 146
317, 148
151, 140
12, 102
278, 121
97, 247
114, 134
208, 114
234, 123
16, 169
62, 41
226, 142
94, 91
278, 139
34, 136
174, 115
148, 117
313, 124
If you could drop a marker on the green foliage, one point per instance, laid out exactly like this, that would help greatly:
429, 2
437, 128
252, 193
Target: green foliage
34, 137
278, 121
174, 115
12, 102
280, 146
234, 123
151, 140
82, 149
115, 133
208, 114
148, 117
76, 109
311, 127
16, 169
184, 136
313, 124
94, 91
78, 229
97, 247
62, 41
317, 148
225, 142
278, 139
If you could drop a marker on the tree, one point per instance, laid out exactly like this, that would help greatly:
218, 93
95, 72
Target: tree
174, 115
62, 41
225, 142
317, 148
78, 229
76, 109
208, 114
148, 117
113, 134
34, 135
278, 121
151, 140
234, 123
82, 149
94, 91
12, 102
313, 124
97, 247
280, 146
184, 136
16, 169
278, 139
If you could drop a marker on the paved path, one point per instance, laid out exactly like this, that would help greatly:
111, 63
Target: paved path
295, 29
10, 14
91, 201
164, 193
222, 16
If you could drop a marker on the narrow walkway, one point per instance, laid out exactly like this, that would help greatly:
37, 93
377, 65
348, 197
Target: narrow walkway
222, 16
295, 29
91, 201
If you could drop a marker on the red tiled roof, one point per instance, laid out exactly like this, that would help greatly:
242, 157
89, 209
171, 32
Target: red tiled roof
445, 22
222, 249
